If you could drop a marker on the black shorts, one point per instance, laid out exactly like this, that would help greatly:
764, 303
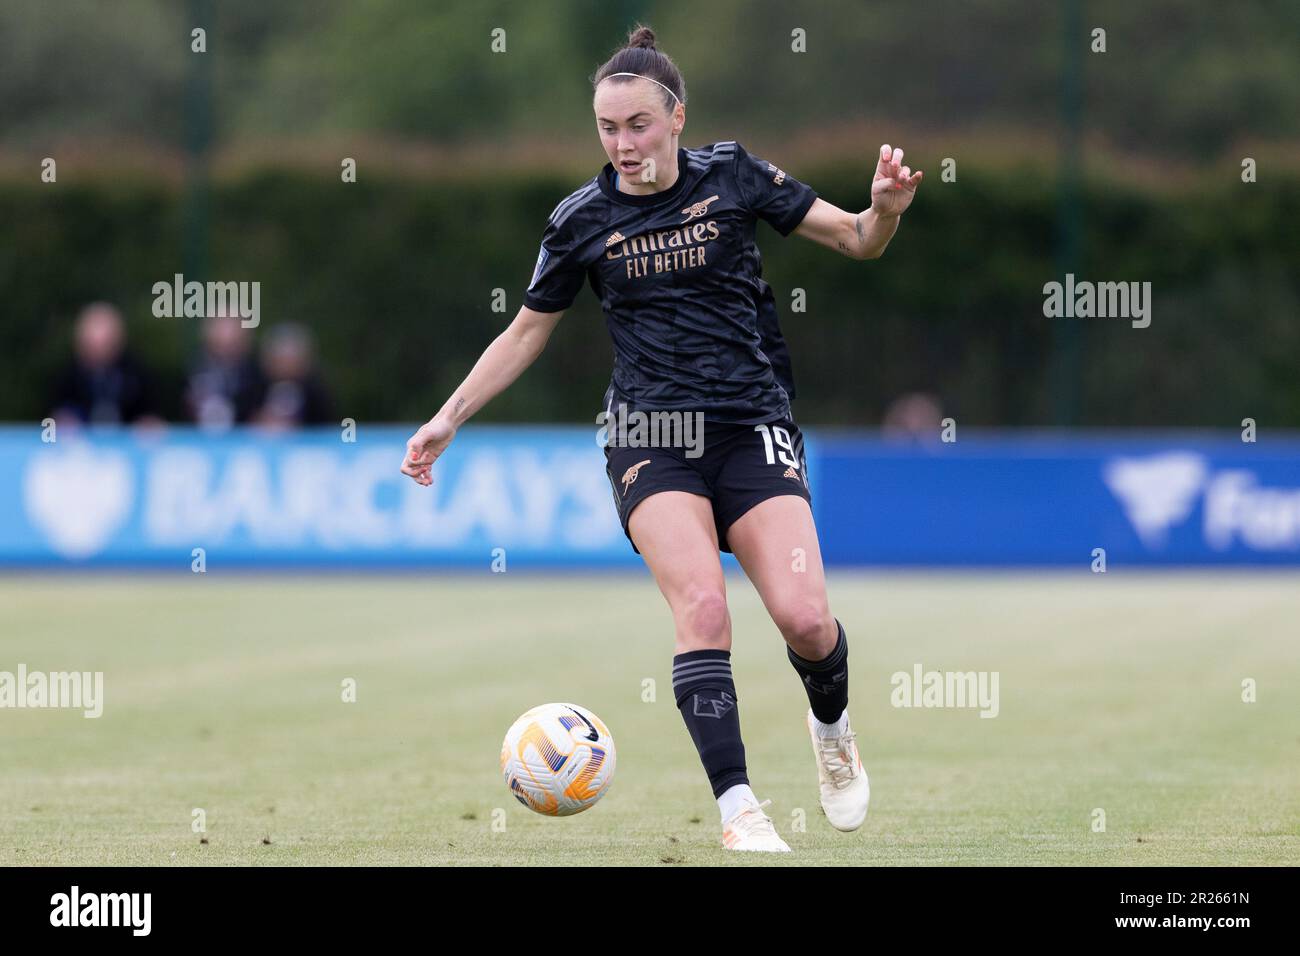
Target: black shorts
738, 466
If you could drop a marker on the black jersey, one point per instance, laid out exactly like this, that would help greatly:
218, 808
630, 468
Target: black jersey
680, 281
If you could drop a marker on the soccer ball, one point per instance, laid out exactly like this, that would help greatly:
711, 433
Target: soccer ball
558, 759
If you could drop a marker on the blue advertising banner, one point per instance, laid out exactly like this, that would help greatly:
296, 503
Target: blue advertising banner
537, 496
305, 498
1052, 499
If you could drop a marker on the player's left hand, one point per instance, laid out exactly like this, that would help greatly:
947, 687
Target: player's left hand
894, 184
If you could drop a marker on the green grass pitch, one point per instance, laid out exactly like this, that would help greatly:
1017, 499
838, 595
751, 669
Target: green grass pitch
1120, 691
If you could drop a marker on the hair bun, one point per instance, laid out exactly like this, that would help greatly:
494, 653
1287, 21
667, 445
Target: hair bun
642, 37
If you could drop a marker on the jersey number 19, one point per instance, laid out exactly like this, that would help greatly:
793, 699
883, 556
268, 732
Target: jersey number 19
783, 440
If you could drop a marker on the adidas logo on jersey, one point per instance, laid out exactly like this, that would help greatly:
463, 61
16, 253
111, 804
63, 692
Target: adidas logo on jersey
791, 473
617, 237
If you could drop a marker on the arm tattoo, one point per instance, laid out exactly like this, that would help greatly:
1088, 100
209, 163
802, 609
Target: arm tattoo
857, 223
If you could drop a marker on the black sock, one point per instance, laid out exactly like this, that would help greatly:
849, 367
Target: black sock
827, 680
706, 696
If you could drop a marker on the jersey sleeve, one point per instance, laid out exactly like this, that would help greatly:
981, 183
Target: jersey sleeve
558, 275
770, 193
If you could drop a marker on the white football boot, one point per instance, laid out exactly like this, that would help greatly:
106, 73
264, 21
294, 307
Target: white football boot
752, 829
845, 791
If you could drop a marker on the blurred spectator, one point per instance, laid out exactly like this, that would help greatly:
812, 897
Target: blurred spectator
295, 394
916, 416
226, 387
104, 384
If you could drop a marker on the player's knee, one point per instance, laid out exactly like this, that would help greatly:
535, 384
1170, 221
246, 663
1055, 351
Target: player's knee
809, 629
704, 619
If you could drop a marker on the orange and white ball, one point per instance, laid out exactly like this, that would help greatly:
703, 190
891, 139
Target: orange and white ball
558, 759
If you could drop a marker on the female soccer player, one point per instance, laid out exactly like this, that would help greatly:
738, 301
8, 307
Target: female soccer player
665, 235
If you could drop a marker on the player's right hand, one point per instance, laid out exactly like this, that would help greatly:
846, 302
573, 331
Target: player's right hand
424, 447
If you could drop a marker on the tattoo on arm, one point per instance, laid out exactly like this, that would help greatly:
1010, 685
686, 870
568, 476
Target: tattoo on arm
459, 403
862, 235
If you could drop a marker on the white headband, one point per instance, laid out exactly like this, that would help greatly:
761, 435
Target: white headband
650, 78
